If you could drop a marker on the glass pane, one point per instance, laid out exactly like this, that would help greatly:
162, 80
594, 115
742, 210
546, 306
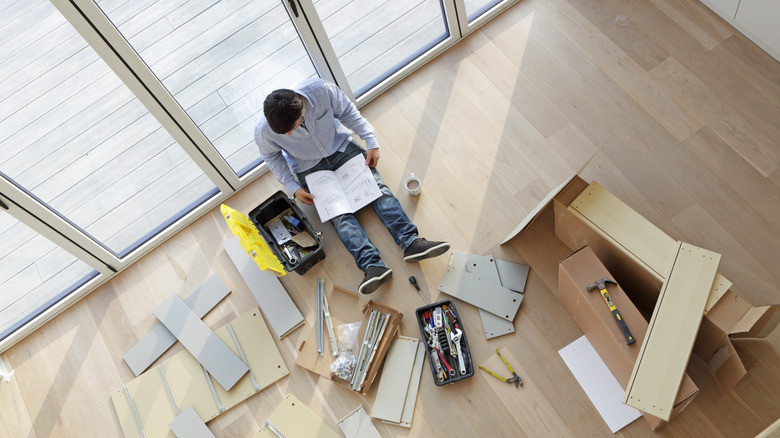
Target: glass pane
475, 8
219, 59
77, 139
375, 38
34, 274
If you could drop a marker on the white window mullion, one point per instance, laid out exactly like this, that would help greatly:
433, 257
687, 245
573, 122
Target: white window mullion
46, 222
87, 18
309, 26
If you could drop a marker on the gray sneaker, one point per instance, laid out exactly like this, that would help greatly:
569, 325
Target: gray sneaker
422, 249
375, 277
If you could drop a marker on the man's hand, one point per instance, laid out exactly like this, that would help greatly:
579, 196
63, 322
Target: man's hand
304, 196
372, 157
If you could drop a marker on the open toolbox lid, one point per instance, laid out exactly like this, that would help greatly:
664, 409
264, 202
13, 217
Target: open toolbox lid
251, 241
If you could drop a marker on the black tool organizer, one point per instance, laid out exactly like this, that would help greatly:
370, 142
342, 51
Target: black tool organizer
293, 257
451, 360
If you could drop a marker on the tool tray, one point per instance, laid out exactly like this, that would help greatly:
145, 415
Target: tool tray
451, 360
275, 207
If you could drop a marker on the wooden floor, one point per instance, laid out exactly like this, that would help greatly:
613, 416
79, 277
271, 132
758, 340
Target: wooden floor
681, 114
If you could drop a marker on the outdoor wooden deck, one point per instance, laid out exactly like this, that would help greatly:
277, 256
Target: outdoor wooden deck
75, 137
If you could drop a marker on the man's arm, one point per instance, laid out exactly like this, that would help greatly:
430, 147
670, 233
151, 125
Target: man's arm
272, 155
349, 116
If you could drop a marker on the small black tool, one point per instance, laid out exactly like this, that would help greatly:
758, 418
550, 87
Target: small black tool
416, 286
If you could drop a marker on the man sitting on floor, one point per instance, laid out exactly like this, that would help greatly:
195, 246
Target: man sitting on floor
306, 130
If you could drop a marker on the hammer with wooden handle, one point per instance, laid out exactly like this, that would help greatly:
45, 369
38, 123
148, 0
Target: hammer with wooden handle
601, 284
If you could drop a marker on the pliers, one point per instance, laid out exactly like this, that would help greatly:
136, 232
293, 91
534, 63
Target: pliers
515, 379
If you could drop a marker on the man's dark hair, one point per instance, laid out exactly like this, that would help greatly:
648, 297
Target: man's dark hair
282, 108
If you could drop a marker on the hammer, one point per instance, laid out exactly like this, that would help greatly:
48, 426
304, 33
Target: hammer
601, 284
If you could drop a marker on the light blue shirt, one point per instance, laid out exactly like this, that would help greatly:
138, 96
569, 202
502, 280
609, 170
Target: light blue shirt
329, 116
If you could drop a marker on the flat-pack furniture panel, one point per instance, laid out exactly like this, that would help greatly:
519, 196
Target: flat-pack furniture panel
204, 344
294, 419
188, 425
480, 292
414, 389
638, 237
672, 329
357, 424
279, 309
487, 267
160, 339
189, 385
395, 379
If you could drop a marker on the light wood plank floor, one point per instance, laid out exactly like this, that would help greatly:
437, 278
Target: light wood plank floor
681, 113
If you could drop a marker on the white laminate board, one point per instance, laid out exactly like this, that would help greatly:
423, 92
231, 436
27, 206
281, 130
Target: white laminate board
394, 382
188, 425
201, 342
160, 339
279, 309
671, 332
357, 424
480, 292
599, 384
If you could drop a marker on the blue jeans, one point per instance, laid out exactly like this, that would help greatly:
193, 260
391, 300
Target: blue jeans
387, 208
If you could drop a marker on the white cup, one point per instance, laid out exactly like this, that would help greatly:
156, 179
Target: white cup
413, 185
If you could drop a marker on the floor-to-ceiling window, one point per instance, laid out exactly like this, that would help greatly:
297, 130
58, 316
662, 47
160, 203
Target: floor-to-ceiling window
122, 121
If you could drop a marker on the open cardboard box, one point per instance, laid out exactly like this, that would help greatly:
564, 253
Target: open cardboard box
634, 251
593, 317
344, 309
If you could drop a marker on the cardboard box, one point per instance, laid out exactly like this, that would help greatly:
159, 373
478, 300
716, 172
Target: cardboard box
590, 312
344, 309
633, 264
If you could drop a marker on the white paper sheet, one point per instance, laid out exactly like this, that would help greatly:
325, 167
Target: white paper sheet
599, 384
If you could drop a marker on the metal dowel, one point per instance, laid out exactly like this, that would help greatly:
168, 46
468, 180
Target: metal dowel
214, 394
169, 390
135, 411
243, 356
319, 319
273, 429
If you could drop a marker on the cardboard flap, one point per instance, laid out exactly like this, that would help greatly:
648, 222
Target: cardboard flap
758, 322
539, 207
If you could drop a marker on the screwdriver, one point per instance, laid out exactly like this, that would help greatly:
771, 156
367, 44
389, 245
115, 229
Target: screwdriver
416, 286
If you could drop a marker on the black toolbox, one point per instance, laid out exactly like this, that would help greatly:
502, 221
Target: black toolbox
426, 317
288, 232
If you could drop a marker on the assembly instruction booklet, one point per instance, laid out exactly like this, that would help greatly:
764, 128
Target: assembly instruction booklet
344, 190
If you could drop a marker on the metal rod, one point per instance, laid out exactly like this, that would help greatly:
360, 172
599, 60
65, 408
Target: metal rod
214, 394
271, 427
135, 411
243, 357
329, 323
366, 336
319, 319
361, 369
168, 388
376, 342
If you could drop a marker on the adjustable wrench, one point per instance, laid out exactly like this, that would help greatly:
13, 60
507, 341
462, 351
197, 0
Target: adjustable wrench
456, 339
